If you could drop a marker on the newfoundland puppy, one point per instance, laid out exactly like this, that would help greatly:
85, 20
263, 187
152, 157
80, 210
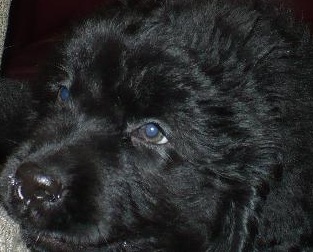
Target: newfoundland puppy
178, 125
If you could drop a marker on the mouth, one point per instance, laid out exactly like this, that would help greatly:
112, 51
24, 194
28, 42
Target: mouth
61, 242
50, 243
64, 243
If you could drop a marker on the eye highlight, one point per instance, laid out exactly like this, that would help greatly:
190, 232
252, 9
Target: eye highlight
152, 130
64, 93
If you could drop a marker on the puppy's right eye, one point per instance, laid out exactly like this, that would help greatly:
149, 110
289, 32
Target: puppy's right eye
64, 93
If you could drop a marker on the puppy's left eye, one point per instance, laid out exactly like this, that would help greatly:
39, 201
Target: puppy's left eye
152, 133
64, 93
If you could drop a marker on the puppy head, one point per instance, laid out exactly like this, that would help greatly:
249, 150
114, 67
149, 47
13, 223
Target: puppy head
140, 147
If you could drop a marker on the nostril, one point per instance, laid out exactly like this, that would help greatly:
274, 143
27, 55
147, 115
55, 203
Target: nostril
35, 186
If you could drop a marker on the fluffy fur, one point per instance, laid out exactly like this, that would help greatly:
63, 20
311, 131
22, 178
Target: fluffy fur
16, 115
228, 85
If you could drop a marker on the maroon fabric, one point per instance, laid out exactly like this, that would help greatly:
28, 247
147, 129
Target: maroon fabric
304, 10
36, 24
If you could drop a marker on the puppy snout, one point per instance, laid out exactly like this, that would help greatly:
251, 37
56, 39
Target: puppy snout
35, 187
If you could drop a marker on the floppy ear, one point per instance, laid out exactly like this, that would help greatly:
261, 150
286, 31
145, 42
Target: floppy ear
16, 114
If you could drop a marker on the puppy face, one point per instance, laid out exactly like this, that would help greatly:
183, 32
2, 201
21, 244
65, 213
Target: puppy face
147, 144
121, 143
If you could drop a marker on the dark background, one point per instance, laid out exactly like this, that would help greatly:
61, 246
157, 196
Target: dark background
35, 25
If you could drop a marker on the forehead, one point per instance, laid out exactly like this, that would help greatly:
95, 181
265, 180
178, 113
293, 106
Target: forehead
137, 75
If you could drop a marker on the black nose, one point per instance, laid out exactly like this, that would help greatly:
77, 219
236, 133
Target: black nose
33, 186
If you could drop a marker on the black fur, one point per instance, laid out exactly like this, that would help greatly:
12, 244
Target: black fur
17, 115
229, 86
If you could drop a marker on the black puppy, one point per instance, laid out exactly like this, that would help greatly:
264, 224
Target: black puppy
174, 126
